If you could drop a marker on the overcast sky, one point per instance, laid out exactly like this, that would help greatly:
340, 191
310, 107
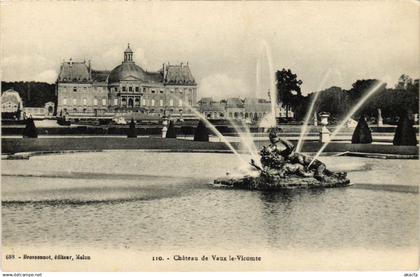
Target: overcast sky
324, 43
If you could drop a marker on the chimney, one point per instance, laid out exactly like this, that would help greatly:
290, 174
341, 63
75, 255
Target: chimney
90, 70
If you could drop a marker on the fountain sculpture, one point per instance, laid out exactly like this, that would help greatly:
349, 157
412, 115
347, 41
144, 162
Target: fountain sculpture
283, 168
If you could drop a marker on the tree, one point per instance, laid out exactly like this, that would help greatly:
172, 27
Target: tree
333, 100
30, 130
359, 89
288, 89
404, 82
405, 134
171, 133
201, 132
132, 131
362, 133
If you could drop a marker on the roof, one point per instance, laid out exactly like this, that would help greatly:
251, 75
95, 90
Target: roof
257, 105
154, 77
234, 103
99, 75
213, 107
74, 72
206, 100
126, 70
178, 74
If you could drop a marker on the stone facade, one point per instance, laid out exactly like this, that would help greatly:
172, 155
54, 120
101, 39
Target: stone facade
251, 109
83, 91
235, 108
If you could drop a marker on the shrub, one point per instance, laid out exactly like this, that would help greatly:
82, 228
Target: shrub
362, 133
201, 132
405, 134
171, 133
30, 130
132, 131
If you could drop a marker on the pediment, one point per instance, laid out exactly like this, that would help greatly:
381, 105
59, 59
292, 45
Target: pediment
131, 78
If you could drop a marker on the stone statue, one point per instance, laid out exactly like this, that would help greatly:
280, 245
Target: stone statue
284, 168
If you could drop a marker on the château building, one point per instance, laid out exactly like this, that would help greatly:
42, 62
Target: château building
251, 109
83, 91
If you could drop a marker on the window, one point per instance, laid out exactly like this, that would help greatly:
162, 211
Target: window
180, 103
130, 89
137, 89
161, 90
171, 102
104, 102
143, 102
95, 102
115, 101
74, 89
74, 101
153, 102
84, 110
115, 89
65, 101
123, 88
161, 102
75, 110
144, 89
153, 91
84, 101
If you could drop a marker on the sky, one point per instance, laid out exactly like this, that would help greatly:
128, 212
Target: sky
325, 43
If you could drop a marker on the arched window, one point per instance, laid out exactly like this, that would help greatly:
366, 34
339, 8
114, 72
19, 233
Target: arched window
103, 102
95, 102
180, 103
84, 101
115, 101
171, 102
64, 101
153, 102
74, 101
161, 102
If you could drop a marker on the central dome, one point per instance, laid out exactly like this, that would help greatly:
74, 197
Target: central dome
126, 70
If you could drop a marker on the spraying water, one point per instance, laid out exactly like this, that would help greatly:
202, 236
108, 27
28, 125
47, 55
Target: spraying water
257, 79
304, 129
246, 139
273, 89
343, 122
213, 129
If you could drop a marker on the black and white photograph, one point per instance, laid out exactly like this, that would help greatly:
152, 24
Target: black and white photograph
201, 136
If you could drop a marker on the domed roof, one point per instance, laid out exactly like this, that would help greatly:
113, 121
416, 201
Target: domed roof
126, 70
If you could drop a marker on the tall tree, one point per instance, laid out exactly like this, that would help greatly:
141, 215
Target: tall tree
288, 89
